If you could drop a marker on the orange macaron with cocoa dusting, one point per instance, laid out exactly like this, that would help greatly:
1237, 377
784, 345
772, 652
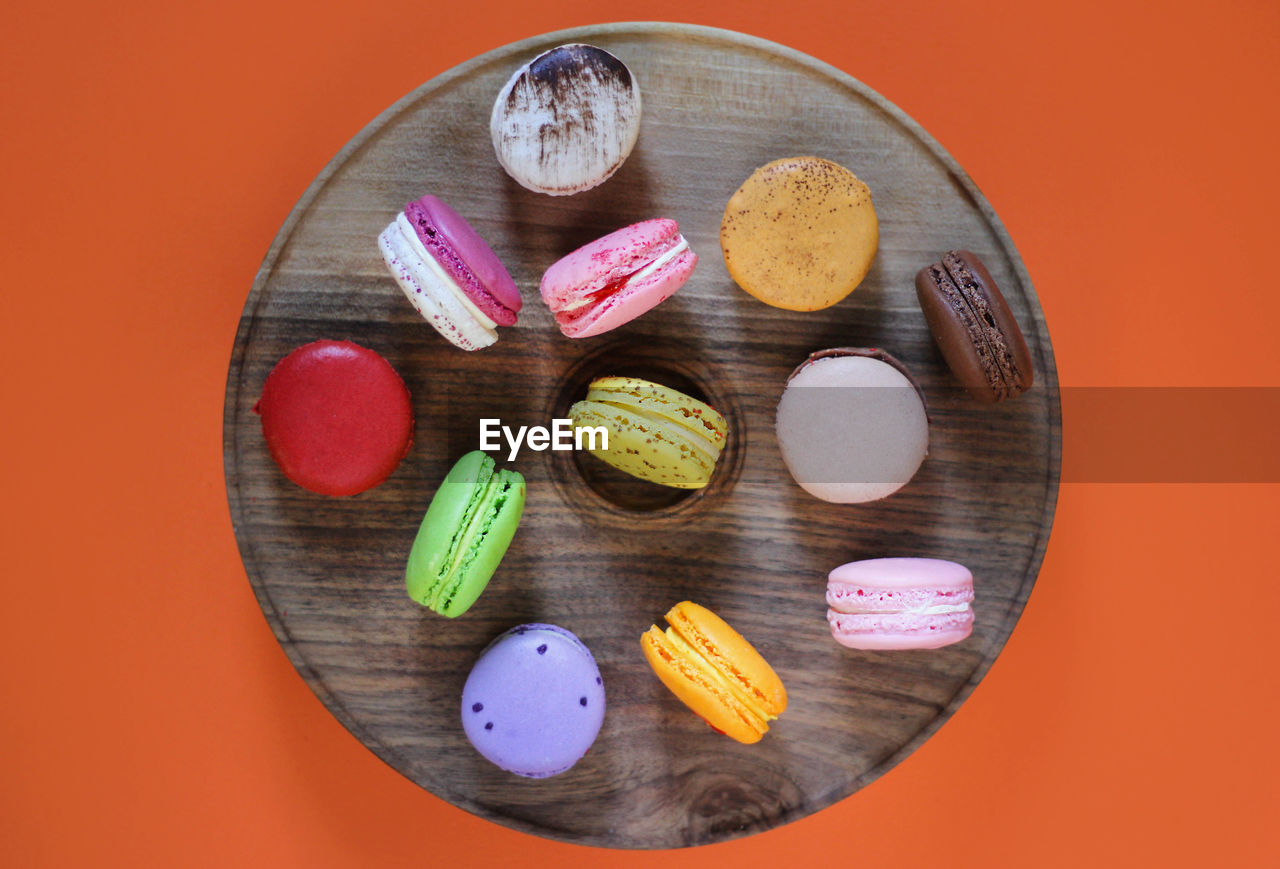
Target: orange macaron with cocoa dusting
714, 671
800, 233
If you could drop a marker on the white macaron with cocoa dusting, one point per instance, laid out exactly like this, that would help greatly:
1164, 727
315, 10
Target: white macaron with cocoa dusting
566, 120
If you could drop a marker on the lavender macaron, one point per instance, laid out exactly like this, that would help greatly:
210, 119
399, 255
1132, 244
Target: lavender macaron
534, 701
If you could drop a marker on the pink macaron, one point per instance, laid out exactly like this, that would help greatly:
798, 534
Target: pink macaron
449, 274
900, 603
617, 278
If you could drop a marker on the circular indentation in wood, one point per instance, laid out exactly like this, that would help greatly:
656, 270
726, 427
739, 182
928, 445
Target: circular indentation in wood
591, 486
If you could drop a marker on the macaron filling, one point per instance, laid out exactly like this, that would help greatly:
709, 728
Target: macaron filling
500, 488
899, 624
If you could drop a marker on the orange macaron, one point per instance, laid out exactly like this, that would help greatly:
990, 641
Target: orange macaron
714, 671
800, 233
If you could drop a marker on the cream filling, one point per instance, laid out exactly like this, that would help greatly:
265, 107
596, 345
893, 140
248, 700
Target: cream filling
935, 610
942, 609
415, 244
681, 246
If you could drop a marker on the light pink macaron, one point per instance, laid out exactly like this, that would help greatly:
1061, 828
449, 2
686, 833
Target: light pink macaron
617, 278
900, 603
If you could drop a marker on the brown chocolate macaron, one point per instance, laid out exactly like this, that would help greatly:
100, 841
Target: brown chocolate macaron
974, 327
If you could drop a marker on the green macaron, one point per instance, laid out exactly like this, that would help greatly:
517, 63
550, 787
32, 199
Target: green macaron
464, 535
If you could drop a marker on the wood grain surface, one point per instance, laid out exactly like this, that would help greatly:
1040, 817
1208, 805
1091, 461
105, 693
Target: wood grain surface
598, 553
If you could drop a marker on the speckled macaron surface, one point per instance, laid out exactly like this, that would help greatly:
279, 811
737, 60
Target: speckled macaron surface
534, 701
800, 233
566, 120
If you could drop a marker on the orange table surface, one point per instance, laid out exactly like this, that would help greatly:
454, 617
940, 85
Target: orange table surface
150, 152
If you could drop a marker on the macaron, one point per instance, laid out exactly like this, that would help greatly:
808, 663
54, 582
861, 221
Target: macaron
800, 233
974, 328
534, 701
336, 417
852, 425
617, 278
449, 274
900, 603
652, 431
464, 535
566, 120
714, 671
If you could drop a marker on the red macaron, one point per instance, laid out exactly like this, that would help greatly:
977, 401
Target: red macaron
336, 417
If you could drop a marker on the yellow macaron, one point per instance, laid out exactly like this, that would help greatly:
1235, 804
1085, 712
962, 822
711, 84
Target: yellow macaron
654, 432
800, 233
714, 671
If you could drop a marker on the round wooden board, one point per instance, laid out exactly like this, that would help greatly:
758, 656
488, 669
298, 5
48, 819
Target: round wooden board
596, 553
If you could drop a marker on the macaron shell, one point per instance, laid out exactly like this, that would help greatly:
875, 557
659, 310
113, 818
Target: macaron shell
468, 527
566, 121
486, 541
852, 427
974, 328
655, 433
336, 417
587, 270
534, 701
900, 603
709, 701
589, 292
464, 255
800, 233
903, 573
683, 410
642, 448
735, 658
632, 300
428, 290
900, 632
451, 509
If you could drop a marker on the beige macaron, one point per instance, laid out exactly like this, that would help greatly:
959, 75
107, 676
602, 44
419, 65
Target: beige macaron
800, 233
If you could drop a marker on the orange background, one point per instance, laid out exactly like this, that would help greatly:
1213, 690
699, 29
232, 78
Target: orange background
150, 152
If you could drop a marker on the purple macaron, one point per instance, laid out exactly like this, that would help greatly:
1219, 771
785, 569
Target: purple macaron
534, 701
